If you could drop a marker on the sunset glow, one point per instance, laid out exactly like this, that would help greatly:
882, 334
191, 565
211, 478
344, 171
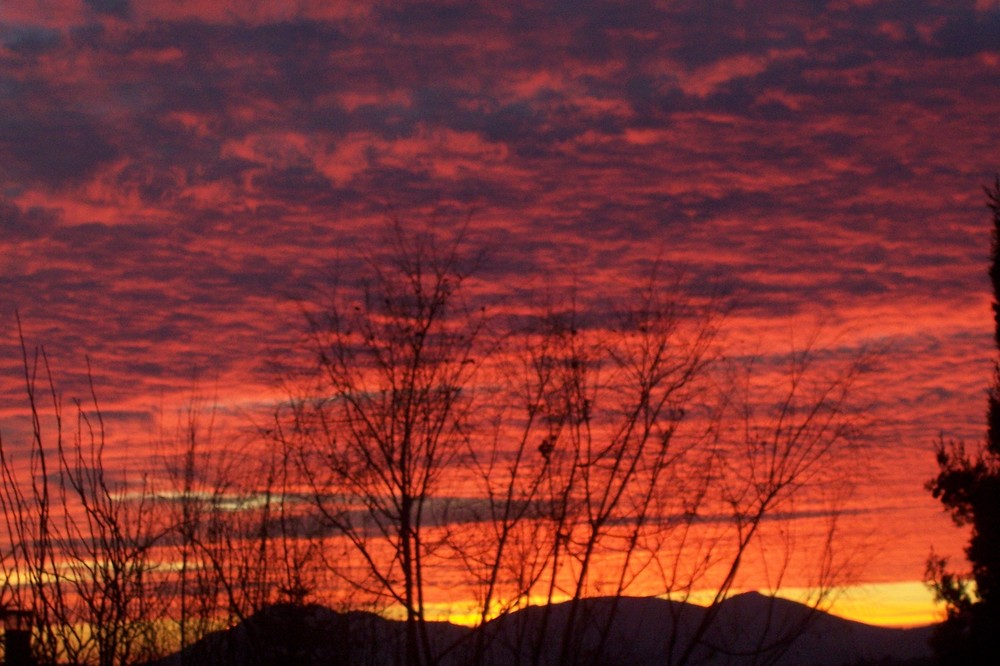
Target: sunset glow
178, 178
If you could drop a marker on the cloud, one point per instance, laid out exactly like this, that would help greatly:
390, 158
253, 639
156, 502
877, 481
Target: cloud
31, 40
118, 8
965, 34
18, 224
55, 147
172, 171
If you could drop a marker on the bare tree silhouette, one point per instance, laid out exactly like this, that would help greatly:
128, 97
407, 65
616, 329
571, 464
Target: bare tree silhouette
81, 554
574, 467
389, 416
553, 465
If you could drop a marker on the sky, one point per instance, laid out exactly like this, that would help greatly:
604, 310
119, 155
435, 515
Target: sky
175, 173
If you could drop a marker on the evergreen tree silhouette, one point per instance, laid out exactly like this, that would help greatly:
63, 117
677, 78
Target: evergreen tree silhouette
968, 485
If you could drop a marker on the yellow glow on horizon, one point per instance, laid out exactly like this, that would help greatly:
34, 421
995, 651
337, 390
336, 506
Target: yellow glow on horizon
899, 604
467, 613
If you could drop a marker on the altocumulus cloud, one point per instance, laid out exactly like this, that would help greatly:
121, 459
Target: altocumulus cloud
172, 171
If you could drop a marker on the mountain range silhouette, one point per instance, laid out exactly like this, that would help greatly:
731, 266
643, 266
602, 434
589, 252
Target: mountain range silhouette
746, 629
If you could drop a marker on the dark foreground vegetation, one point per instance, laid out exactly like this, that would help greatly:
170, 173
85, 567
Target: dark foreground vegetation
968, 486
430, 450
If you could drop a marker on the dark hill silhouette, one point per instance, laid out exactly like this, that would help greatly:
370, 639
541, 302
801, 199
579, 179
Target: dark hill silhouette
746, 629
287, 634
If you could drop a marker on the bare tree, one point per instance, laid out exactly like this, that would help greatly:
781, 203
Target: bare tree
779, 442
653, 473
239, 527
590, 455
81, 556
595, 453
616, 394
388, 416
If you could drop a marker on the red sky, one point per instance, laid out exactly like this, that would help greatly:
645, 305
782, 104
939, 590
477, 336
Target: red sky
173, 173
